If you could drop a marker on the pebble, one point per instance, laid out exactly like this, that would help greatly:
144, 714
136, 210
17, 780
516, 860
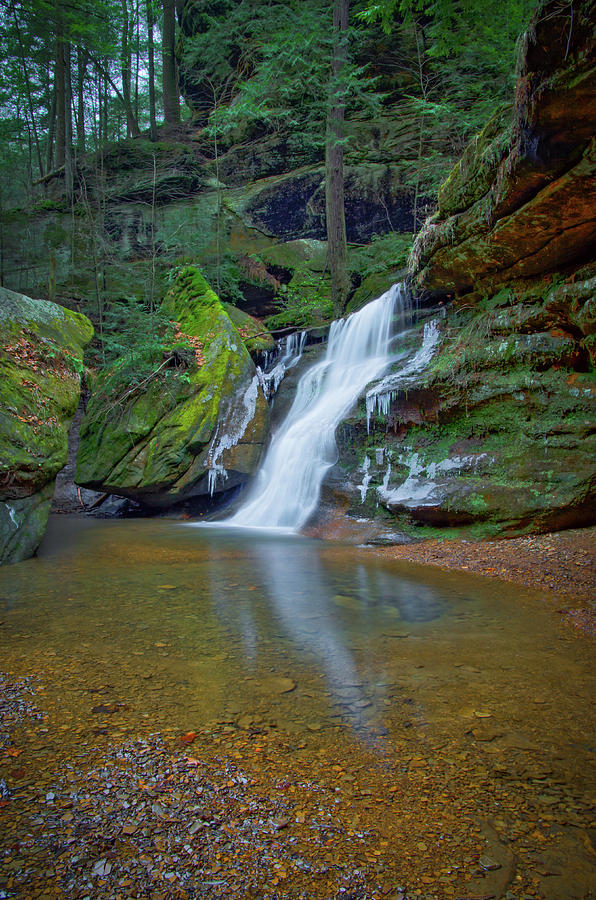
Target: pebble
278, 684
102, 868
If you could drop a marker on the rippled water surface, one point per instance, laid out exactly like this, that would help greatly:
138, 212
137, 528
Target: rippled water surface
154, 625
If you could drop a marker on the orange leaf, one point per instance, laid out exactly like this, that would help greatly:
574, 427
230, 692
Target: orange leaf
189, 737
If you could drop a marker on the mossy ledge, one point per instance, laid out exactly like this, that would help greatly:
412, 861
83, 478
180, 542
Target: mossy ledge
497, 436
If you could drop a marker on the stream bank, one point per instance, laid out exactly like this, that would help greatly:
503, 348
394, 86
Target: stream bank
562, 563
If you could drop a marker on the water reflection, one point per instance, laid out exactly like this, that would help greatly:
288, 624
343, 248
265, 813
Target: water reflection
138, 628
318, 608
155, 605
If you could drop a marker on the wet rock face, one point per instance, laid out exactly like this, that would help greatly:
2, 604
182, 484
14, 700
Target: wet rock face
496, 434
293, 206
41, 360
191, 428
520, 202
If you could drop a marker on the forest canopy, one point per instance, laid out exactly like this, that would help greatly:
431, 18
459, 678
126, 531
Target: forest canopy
77, 76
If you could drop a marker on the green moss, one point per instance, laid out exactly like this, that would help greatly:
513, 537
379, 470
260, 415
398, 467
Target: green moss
254, 333
506, 411
306, 253
23, 522
41, 357
304, 303
144, 442
473, 174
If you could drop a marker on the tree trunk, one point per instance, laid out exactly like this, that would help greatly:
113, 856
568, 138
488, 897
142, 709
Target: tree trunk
28, 87
150, 47
171, 96
51, 129
68, 162
100, 131
125, 65
60, 91
132, 126
337, 250
106, 112
137, 32
81, 70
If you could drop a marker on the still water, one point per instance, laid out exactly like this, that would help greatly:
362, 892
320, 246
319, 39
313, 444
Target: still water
186, 628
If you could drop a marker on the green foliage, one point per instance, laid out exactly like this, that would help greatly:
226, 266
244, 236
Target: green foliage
461, 56
274, 61
306, 303
387, 251
227, 272
133, 336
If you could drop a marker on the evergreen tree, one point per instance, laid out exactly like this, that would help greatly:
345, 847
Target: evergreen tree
171, 92
337, 251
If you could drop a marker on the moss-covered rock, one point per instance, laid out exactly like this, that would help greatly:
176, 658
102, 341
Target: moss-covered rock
193, 424
254, 333
520, 202
41, 361
497, 434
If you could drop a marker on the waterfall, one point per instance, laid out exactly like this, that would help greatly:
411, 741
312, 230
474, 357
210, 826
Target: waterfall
290, 355
287, 488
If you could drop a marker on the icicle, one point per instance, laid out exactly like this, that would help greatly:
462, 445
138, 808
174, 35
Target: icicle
419, 486
290, 355
358, 352
363, 488
382, 395
231, 438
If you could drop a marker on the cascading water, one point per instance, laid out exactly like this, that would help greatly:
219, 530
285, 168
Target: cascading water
359, 351
290, 355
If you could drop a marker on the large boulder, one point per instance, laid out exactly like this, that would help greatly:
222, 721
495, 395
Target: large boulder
192, 425
520, 203
492, 432
41, 361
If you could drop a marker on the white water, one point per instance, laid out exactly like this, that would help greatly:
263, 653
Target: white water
382, 395
229, 439
290, 355
287, 488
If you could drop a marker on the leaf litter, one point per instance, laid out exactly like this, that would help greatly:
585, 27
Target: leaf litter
258, 812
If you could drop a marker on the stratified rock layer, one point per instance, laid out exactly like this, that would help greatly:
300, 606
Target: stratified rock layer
521, 202
497, 434
41, 360
194, 425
